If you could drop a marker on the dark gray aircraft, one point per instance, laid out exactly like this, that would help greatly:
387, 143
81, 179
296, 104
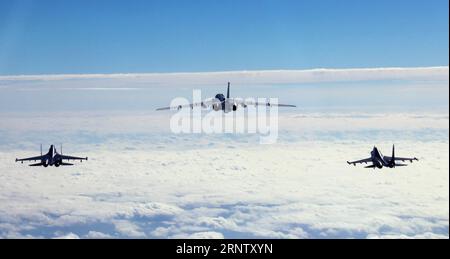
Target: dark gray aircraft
225, 104
52, 158
380, 161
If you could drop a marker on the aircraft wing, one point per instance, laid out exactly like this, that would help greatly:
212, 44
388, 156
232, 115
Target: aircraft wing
245, 102
403, 159
205, 104
35, 158
365, 161
175, 108
72, 157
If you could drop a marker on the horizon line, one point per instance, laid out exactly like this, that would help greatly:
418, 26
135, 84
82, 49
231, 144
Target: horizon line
94, 75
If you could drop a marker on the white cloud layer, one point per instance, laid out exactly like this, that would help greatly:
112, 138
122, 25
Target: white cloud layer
141, 181
258, 77
151, 184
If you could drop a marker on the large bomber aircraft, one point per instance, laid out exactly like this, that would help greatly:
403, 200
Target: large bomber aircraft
225, 104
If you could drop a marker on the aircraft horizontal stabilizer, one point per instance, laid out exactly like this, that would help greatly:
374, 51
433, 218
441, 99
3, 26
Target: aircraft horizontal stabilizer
66, 164
37, 164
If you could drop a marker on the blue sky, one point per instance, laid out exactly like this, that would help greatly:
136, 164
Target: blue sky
48, 37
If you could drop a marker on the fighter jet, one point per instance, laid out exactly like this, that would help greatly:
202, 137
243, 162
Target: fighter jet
380, 161
225, 104
52, 158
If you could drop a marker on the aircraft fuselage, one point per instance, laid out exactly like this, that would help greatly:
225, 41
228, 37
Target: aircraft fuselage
226, 104
52, 158
378, 159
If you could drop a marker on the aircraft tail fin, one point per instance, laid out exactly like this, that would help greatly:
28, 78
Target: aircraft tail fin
228, 90
392, 161
393, 153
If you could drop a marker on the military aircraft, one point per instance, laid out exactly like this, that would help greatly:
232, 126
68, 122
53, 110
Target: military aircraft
225, 104
52, 158
380, 161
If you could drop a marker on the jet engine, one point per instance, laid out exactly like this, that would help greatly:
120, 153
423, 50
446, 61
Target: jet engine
216, 107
